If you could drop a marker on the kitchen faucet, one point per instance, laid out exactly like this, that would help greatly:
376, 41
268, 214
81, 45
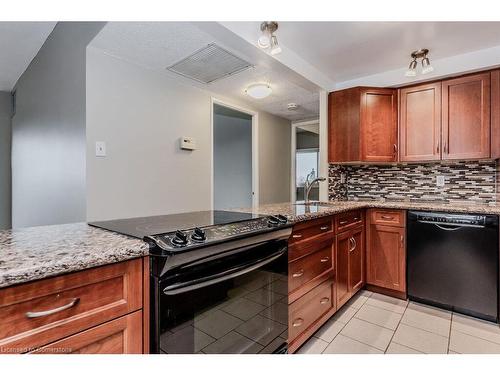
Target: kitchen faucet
308, 185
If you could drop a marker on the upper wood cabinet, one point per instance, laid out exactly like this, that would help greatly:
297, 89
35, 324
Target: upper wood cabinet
363, 125
466, 117
420, 123
495, 114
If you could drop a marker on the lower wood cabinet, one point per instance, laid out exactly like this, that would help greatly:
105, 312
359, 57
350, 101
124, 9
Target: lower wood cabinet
386, 252
349, 264
91, 311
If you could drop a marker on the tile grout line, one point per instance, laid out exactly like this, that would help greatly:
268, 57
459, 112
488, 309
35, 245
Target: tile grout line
392, 337
449, 336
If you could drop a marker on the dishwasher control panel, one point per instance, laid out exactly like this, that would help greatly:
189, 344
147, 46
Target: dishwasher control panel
453, 219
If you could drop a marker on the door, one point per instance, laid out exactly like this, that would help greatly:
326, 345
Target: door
466, 117
344, 245
379, 125
420, 123
232, 158
386, 262
356, 258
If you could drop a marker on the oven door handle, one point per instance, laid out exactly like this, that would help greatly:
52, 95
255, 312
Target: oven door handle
222, 276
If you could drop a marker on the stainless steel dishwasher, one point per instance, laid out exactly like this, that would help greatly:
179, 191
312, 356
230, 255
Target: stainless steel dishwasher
453, 261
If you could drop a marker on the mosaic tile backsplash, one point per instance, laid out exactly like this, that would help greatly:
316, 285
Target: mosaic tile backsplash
473, 181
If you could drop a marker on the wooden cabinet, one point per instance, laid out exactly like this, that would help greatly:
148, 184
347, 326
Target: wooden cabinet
386, 252
363, 125
349, 264
311, 277
420, 123
495, 114
119, 336
466, 117
39, 313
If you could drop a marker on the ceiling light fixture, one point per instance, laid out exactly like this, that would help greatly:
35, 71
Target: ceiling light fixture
267, 39
426, 65
259, 90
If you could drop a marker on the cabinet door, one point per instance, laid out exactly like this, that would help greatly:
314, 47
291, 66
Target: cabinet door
343, 126
466, 117
495, 114
379, 125
344, 245
386, 263
420, 123
119, 336
356, 261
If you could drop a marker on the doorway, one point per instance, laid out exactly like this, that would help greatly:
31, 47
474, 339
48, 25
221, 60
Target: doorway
234, 157
305, 158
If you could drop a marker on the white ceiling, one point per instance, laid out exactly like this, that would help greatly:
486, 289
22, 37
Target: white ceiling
339, 52
157, 45
19, 44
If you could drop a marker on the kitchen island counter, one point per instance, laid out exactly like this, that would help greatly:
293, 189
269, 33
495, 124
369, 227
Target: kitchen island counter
34, 253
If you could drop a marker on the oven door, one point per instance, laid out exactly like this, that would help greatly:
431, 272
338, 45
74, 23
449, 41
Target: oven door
236, 303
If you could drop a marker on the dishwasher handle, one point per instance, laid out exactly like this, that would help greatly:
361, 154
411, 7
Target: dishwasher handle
451, 226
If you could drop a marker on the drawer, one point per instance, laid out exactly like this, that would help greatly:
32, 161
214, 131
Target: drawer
309, 308
119, 336
387, 217
304, 248
306, 230
41, 312
348, 220
307, 268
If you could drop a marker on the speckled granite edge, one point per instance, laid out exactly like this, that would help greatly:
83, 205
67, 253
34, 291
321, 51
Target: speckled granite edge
298, 213
35, 253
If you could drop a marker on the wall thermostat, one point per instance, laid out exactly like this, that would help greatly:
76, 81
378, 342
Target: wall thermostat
188, 143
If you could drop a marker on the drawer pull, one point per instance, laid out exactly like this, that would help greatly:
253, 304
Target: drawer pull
324, 300
298, 322
387, 217
326, 227
324, 260
40, 314
297, 236
356, 219
353, 243
298, 274
342, 222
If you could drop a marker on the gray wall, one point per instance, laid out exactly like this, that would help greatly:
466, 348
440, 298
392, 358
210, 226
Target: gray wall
141, 114
48, 130
5, 146
232, 161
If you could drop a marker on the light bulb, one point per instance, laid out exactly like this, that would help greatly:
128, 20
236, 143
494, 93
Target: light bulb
264, 41
426, 66
275, 48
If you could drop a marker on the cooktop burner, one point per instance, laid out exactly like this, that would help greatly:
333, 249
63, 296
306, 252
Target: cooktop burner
141, 227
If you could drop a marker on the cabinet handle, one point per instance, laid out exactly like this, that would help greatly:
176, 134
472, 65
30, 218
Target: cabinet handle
40, 314
326, 227
387, 217
298, 322
343, 222
324, 300
353, 245
437, 148
395, 150
297, 236
324, 260
445, 147
298, 274
402, 241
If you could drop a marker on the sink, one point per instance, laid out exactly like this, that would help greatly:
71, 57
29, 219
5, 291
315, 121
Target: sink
313, 204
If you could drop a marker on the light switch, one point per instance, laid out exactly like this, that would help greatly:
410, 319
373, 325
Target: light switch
440, 181
100, 148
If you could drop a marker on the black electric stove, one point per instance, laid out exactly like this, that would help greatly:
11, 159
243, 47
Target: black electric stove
217, 280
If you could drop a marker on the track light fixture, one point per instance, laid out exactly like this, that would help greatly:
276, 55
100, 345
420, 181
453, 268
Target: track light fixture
267, 39
426, 65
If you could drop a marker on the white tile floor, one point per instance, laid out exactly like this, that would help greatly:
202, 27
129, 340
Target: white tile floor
374, 323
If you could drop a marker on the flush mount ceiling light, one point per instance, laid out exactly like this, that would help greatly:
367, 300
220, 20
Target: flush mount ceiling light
426, 65
267, 39
259, 90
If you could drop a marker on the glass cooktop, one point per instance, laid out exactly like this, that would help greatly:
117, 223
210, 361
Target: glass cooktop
150, 225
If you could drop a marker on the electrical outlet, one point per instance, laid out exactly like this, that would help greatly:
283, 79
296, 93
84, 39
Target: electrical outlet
100, 148
440, 181
342, 178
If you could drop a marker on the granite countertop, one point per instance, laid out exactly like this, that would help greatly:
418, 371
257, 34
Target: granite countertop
299, 212
34, 253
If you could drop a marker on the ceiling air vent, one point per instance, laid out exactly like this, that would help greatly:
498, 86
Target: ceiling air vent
209, 64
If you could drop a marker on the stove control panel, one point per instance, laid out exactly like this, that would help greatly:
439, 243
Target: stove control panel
186, 239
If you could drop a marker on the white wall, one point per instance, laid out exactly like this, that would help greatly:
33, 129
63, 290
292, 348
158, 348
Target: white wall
141, 114
5, 148
48, 130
